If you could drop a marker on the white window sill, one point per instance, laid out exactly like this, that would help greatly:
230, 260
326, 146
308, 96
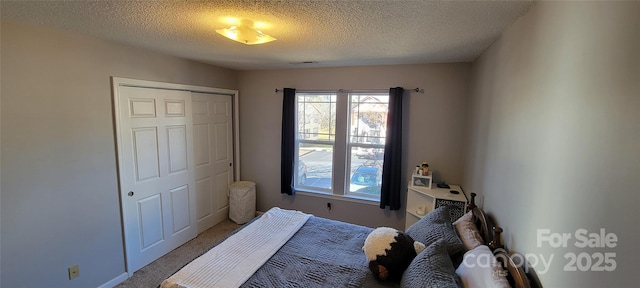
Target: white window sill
349, 198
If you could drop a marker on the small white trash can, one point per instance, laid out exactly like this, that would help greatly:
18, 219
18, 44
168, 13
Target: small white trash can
242, 201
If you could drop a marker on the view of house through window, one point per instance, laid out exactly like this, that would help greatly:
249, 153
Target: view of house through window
364, 136
315, 140
367, 131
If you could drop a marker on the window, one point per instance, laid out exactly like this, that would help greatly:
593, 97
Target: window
340, 143
367, 132
315, 141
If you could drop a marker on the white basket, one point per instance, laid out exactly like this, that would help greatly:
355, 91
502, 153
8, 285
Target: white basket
242, 201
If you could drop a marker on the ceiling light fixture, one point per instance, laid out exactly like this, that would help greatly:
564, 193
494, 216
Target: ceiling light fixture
245, 33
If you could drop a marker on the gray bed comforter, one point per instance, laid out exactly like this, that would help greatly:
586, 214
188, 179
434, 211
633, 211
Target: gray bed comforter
323, 253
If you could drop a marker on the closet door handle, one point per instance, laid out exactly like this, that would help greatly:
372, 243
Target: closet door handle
130, 193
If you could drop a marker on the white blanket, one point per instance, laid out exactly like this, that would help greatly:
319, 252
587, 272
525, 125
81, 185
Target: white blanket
233, 261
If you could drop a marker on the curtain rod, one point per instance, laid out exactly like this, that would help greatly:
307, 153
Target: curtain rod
346, 90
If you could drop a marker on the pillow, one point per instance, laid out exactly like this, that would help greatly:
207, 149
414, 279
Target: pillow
390, 252
431, 268
468, 231
434, 226
480, 268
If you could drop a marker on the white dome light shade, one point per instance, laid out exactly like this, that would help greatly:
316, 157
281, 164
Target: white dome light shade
245, 33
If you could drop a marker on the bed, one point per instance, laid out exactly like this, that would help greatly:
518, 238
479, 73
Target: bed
285, 248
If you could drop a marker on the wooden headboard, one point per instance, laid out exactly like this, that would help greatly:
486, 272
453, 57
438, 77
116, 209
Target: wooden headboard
514, 272
516, 275
481, 220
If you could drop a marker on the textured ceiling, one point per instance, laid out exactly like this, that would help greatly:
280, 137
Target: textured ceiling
331, 33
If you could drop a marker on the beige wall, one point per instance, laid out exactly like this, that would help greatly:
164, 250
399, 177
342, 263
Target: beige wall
59, 186
555, 133
434, 128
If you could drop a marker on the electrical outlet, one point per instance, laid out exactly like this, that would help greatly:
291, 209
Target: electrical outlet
74, 271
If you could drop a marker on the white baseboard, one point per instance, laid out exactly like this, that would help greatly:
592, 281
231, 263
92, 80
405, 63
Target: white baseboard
115, 281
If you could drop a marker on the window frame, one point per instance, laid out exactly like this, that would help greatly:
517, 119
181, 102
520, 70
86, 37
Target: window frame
342, 148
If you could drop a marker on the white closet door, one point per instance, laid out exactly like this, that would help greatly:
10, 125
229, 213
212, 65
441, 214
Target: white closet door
213, 156
157, 175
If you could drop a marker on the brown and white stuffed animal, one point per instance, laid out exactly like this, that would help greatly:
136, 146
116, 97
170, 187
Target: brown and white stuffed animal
390, 252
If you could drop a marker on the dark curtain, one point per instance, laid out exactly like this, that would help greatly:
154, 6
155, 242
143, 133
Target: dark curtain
392, 167
288, 141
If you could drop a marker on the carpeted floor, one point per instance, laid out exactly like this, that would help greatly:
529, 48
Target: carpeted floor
152, 275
